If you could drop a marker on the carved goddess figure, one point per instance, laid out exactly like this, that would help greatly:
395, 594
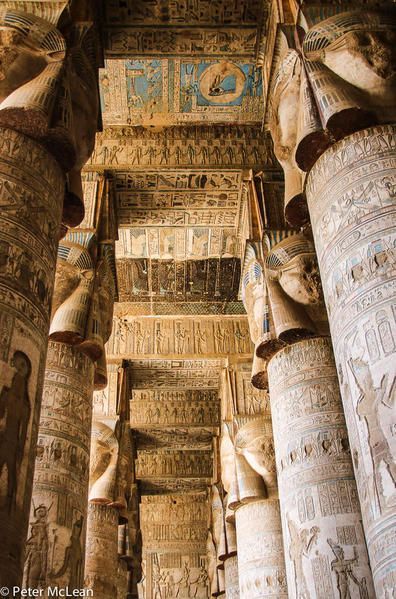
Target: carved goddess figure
15, 410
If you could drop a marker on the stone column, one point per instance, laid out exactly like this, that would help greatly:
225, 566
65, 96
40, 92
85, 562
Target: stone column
82, 310
321, 518
352, 200
260, 550
259, 534
31, 198
231, 576
109, 482
346, 77
54, 554
101, 565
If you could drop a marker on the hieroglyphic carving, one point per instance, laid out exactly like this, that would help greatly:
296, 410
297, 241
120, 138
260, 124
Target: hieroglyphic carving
250, 400
314, 460
62, 468
170, 374
153, 409
179, 337
30, 218
352, 204
174, 464
101, 551
260, 550
181, 42
231, 577
174, 529
203, 146
171, 12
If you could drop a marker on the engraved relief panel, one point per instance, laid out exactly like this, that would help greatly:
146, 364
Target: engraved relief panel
174, 529
179, 336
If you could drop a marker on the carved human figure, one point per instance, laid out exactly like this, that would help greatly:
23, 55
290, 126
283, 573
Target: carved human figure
368, 401
301, 542
37, 546
73, 559
359, 47
284, 100
15, 411
343, 569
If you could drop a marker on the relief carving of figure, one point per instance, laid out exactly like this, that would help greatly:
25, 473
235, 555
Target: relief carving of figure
36, 556
301, 543
15, 410
296, 308
73, 559
343, 569
103, 468
368, 405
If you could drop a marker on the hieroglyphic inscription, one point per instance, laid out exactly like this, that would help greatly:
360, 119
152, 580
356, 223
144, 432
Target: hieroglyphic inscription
62, 470
351, 195
174, 529
315, 474
175, 336
260, 550
31, 193
153, 409
173, 464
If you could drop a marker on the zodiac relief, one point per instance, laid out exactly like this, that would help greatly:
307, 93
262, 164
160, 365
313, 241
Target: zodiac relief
15, 412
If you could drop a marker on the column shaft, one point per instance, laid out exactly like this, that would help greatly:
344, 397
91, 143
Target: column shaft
352, 202
260, 550
321, 517
55, 546
101, 568
231, 577
31, 199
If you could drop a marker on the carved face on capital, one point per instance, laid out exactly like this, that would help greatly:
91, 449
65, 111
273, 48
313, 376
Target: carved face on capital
359, 47
300, 279
24, 49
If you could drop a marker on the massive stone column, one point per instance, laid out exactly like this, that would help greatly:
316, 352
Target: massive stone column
231, 577
353, 208
320, 513
81, 321
54, 552
321, 518
101, 556
109, 477
260, 550
348, 82
30, 216
258, 525
112, 525
48, 120
249, 476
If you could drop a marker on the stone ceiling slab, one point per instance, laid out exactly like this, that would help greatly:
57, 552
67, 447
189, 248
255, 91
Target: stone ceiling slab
170, 91
170, 337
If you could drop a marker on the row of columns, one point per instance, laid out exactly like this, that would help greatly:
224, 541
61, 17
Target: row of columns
49, 113
49, 110
332, 392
